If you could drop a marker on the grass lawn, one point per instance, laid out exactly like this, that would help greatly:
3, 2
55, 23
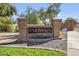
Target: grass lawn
13, 51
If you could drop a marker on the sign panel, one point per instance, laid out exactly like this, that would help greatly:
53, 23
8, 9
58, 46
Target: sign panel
40, 29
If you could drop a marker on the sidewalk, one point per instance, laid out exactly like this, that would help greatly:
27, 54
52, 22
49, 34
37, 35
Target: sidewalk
73, 52
73, 43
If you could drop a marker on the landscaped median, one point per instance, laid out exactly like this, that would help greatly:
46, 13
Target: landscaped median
18, 51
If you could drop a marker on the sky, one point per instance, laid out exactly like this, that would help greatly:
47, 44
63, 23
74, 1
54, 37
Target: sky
67, 9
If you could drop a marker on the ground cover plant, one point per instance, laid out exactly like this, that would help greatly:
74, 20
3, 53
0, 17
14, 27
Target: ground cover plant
13, 51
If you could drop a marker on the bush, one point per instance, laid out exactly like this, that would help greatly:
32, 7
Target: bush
16, 29
6, 24
10, 28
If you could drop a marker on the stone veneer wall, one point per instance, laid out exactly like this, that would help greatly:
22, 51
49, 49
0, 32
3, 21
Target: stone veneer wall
56, 27
23, 30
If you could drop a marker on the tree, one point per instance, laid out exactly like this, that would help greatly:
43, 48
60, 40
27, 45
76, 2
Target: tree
6, 13
71, 19
7, 9
49, 13
4, 24
70, 23
32, 16
42, 14
53, 10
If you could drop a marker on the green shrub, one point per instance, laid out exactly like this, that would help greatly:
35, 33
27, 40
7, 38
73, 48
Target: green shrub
10, 28
16, 29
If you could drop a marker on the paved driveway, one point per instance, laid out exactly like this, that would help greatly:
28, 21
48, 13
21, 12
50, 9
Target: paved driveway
8, 37
73, 43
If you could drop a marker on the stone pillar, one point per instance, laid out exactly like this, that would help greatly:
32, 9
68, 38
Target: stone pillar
56, 27
23, 30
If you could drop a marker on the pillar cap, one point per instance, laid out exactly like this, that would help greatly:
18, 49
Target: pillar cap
19, 18
57, 19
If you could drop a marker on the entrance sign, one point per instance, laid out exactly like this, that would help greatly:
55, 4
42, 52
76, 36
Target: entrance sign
24, 29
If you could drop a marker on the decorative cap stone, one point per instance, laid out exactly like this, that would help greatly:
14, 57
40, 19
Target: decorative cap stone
21, 18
